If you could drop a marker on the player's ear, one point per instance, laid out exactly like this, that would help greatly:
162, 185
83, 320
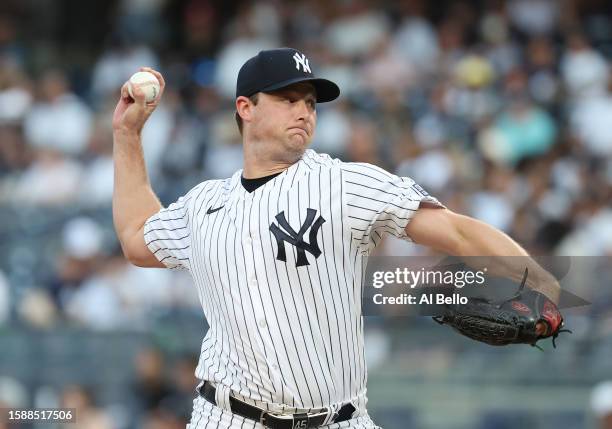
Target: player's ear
244, 108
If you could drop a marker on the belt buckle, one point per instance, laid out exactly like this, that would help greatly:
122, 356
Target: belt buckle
298, 421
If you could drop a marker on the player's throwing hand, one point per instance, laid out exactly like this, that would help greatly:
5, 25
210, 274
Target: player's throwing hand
132, 113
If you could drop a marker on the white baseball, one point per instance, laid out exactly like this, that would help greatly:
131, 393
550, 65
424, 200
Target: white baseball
147, 82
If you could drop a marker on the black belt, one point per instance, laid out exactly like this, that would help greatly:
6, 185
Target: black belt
277, 421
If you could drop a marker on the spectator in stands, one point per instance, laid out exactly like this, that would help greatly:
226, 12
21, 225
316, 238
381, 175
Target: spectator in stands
89, 415
150, 386
601, 404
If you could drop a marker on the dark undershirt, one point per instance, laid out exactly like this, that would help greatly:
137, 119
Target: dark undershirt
251, 184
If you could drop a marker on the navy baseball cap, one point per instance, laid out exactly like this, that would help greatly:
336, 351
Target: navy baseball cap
277, 68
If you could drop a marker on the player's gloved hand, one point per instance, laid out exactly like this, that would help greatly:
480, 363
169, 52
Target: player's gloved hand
525, 318
132, 113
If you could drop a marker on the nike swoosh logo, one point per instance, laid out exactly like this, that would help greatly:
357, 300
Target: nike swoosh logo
211, 210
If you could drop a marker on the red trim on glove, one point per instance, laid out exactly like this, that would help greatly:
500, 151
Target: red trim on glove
551, 314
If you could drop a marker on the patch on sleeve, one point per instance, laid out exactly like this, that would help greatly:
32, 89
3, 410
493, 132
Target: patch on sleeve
419, 189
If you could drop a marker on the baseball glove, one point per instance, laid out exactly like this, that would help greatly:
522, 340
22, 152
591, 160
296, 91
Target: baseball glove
525, 318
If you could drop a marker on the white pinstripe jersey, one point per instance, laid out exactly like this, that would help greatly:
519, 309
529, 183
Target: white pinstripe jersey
278, 272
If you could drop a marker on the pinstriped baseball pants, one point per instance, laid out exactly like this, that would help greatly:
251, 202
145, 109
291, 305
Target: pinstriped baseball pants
208, 416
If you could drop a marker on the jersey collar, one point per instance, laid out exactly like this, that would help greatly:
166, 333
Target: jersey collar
236, 192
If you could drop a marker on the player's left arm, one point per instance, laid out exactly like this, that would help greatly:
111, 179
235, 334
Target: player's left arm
454, 234
458, 235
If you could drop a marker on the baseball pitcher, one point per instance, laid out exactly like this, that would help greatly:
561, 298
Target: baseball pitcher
275, 252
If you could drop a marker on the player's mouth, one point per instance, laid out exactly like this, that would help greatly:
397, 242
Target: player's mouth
300, 130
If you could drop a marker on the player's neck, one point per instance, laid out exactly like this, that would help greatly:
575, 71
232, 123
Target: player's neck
262, 168
261, 163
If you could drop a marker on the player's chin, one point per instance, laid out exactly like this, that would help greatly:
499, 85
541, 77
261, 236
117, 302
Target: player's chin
298, 142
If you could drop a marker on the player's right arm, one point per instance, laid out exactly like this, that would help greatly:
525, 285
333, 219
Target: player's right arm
133, 198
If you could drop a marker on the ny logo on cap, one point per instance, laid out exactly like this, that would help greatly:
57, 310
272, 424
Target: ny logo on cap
301, 59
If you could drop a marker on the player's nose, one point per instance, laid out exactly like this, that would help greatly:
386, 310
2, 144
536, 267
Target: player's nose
303, 109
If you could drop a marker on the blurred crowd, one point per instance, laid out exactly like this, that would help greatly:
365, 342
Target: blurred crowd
158, 396
500, 109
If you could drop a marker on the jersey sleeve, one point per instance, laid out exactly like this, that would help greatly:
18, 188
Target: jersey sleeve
378, 202
167, 233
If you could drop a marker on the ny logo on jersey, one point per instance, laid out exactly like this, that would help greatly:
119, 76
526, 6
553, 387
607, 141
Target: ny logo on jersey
289, 235
301, 59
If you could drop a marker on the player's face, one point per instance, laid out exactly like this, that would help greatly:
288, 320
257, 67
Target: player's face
287, 116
